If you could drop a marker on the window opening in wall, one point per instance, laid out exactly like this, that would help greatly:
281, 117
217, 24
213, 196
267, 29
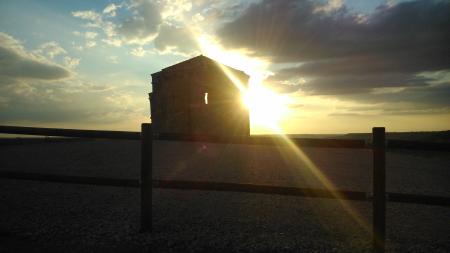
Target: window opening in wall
206, 98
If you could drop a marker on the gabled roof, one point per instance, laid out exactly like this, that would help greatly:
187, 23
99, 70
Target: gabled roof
200, 61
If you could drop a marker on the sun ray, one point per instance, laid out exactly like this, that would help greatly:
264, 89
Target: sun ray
323, 179
267, 108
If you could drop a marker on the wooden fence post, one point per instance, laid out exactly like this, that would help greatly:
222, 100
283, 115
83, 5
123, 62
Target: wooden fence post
379, 189
146, 177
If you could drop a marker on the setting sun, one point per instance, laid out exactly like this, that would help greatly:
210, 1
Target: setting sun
266, 107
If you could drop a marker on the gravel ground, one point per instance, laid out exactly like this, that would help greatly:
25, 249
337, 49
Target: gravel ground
44, 217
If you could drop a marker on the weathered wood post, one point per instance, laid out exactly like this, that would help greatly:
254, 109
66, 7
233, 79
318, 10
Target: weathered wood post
379, 189
146, 177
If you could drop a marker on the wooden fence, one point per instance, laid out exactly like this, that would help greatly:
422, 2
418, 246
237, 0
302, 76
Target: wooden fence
146, 182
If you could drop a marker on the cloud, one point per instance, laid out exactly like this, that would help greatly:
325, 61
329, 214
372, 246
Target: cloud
170, 25
71, 62
90, 15
340, 52
137, 24
142, 25
33, 89
113, 42
90, 44
178, 40
139, 52
96, 21
175, 9
51, 49
399, 101
90, 35
430, 96
64, 102
17, 63
348, 83
110, 9
331, 5
113, 59
291, 31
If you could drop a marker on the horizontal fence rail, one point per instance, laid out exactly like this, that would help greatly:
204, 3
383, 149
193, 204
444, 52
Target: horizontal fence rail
418, 145
229, 187
70, 179
263, 140
101, 134
262, 189
248, 140
303, 142
298, 191
418, 199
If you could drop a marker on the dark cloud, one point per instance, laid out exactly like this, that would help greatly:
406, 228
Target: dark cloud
15, 65
404, 101
424, 96
370, 64
348, 84
293, 31
342, 52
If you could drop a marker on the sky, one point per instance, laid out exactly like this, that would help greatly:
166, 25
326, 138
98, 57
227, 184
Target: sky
339, 66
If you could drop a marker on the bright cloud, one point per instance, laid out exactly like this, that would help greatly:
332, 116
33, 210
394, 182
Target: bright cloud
51, 49
71, 62
110, 9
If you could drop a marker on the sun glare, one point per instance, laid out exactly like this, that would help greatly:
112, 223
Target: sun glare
265, 106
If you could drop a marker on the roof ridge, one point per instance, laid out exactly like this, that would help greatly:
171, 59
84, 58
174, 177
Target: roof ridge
201, 56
